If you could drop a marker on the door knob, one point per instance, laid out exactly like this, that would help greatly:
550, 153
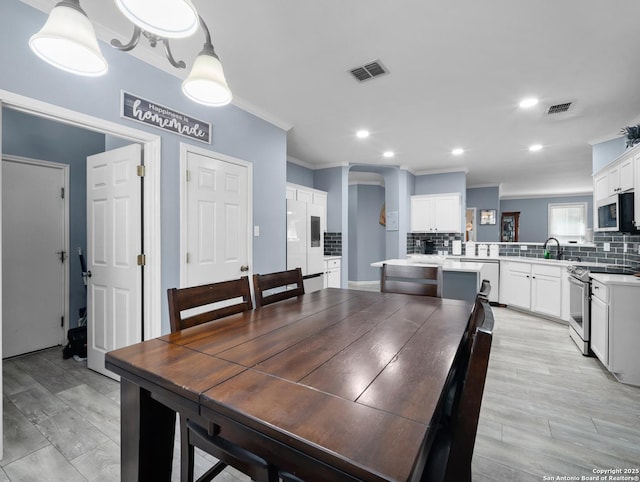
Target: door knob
244, 268
88, 274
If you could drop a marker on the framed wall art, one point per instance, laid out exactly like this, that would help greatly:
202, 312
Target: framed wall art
487, 216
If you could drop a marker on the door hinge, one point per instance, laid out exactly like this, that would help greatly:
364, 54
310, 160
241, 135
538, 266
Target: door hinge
142, 260
62, 321
188, 176
188, 258
62, 192
141, 171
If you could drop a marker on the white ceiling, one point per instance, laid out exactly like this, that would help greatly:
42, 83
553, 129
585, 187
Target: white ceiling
457, 72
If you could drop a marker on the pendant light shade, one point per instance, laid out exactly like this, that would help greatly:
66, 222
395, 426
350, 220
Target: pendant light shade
68, 41
164, 18
206, 83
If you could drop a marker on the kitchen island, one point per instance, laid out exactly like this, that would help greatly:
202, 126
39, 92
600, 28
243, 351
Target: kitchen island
460, 280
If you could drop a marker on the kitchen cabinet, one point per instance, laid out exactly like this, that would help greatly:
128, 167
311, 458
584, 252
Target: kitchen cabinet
490, 271
532, 287
332, 268
600, 186
614, 179
599, 341
615, 329
432, 213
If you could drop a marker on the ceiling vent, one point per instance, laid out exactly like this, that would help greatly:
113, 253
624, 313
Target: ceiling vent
369, 71
559, 108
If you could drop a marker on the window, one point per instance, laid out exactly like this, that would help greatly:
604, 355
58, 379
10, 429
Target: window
568, 222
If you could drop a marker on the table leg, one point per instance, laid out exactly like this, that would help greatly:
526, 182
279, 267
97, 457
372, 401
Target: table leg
147, 431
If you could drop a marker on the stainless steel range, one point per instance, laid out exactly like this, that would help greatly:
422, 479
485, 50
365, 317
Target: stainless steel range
579, 307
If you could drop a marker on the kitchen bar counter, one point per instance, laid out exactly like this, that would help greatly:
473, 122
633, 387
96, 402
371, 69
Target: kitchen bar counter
427, 260
460, 280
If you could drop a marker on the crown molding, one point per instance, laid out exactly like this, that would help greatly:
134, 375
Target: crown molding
295, 160
545, 195
441, 171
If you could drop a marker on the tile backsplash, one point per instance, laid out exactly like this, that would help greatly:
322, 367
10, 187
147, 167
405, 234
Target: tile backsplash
333, 244
625, 260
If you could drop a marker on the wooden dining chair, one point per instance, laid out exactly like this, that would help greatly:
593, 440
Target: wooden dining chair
449, 458
193, 434
287, 283
196, 296
485, 289
459, 369
411, 280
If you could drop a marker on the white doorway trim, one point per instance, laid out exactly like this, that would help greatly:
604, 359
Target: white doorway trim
185, 149
65, 170
474, 221
151, 157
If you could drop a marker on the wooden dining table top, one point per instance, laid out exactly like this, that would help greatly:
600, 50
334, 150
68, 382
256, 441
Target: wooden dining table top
352, 379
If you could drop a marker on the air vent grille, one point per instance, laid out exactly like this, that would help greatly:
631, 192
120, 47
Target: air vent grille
559, 108
369, 71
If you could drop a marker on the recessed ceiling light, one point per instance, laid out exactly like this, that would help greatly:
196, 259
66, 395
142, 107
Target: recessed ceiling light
458, 151
528, 102
535, 147
362, 134
388, 154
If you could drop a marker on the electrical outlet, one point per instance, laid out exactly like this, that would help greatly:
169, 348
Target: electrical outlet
624, 248
256, 231
523, 247
606, 247
446, 242
418, 243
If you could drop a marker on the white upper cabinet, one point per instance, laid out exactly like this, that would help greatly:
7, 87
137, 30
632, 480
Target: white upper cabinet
616, 178
432, 213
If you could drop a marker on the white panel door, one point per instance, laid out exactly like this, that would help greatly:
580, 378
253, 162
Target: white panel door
34, 230
217, 220
114, 227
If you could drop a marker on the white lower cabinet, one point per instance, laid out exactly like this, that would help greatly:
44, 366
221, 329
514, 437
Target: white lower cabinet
332, 273
615, 325
599, 341
533, 287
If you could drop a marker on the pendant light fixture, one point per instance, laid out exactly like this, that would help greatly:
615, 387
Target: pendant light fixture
163, 18
68, 41
206, 83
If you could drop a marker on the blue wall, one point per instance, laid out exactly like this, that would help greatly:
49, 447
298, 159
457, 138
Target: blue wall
366, 235
41, 139
485, 198
299, 175
534, 215
605, 152
235, 132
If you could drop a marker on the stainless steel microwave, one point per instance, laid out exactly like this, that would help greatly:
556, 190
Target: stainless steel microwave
615, 213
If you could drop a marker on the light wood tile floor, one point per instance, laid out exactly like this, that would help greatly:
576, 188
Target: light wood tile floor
547, 411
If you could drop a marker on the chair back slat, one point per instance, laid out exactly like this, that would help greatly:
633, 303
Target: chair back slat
182, 299
411, 280
282, 279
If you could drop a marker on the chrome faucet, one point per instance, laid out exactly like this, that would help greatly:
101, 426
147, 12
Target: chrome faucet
559, 251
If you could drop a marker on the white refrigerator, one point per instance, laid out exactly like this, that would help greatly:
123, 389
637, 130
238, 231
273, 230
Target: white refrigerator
305, 242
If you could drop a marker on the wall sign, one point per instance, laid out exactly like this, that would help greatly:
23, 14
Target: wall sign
150, 113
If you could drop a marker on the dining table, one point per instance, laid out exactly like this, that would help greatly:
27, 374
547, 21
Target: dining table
338, 384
